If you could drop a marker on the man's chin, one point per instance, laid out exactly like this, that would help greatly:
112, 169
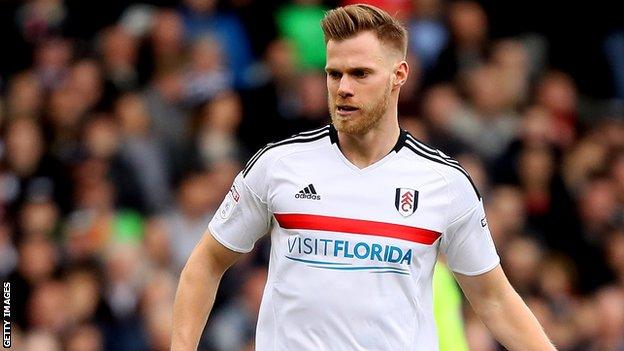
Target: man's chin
349, 125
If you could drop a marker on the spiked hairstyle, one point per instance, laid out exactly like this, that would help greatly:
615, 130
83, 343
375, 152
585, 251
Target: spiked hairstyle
345, 22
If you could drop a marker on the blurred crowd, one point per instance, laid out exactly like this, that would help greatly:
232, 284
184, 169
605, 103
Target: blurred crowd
123, 124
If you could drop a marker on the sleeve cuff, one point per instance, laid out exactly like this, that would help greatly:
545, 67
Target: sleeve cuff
223, 242
479, 272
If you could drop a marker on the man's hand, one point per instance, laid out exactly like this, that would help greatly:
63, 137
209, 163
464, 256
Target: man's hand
197, 290
502, 310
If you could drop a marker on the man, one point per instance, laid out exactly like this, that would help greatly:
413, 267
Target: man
357, 212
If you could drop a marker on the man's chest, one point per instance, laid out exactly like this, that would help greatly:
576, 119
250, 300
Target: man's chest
329, 192
382, 220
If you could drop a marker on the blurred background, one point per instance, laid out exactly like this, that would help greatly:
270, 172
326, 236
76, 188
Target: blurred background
122, 125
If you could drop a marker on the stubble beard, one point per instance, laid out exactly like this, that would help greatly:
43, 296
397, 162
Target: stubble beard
370, 116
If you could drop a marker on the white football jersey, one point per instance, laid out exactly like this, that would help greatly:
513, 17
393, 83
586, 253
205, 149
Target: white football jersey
353, 250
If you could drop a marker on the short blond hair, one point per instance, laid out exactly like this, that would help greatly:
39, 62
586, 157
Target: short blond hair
345, 22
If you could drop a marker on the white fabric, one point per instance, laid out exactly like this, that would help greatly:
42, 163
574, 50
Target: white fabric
337, 290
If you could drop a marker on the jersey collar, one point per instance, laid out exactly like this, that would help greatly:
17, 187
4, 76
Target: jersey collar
333, 136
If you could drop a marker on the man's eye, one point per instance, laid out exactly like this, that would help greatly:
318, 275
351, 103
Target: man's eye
360, 74
334, 75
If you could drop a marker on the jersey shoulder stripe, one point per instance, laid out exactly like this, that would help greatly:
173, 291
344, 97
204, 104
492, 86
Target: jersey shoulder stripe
436, 156
304, 137
430, 150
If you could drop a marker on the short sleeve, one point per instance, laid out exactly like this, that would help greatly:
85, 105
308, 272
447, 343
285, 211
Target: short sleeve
467, 242
242, 218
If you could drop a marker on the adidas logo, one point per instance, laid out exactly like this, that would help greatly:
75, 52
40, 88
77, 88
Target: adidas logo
308, 193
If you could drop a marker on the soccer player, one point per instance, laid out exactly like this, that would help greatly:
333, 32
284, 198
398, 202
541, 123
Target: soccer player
357, 212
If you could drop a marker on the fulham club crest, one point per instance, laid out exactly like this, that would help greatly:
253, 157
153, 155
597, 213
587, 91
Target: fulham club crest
406, 201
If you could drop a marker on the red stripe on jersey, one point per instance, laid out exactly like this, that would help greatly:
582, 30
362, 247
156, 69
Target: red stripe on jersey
356, 226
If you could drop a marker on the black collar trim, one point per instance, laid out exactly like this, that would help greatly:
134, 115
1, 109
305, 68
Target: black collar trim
333, 136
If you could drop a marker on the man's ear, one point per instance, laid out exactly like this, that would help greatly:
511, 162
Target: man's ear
401, 73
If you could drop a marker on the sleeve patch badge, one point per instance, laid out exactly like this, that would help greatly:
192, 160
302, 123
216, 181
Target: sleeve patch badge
229, 203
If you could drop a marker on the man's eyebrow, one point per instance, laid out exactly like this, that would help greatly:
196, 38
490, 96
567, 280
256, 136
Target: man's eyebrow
360, 69
349, 70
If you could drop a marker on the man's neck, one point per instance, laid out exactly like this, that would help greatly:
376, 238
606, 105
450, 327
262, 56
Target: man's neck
364, 150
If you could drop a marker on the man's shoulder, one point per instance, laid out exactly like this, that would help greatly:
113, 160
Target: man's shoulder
421, 152
275, 150
439, 162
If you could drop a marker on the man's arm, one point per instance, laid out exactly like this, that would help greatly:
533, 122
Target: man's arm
197, 290
503, 311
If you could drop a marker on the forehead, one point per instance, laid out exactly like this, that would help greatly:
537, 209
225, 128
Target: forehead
364, 49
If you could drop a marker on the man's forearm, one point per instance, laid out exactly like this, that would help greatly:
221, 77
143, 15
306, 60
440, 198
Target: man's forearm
513, 324
193, 302
502, 310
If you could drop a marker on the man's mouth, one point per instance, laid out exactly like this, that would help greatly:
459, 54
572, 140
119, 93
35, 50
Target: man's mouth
346, 108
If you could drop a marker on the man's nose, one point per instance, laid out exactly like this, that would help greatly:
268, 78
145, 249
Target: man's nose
345, 88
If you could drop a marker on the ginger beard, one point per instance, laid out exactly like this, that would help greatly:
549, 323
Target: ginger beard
368, 115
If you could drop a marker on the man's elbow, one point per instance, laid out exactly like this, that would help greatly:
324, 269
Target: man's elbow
489, 309
494, 303
199, 268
